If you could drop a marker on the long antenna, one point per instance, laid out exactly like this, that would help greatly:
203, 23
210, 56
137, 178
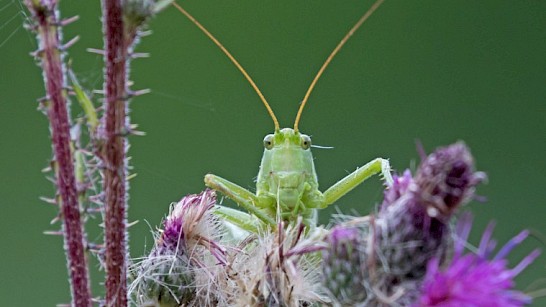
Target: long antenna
331, 56
233, 60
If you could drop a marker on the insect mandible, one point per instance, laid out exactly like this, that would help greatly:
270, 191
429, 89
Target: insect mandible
287, 186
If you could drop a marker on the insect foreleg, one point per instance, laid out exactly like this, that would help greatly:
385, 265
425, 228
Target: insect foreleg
348, 183
241, 196
240, 219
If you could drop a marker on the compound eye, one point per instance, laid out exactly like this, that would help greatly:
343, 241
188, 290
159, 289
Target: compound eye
268, 141
305, 141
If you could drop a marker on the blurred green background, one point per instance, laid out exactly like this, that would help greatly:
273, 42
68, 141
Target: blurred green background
437, 71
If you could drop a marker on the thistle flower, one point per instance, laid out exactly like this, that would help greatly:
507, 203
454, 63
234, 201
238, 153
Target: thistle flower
475, 279
382, 260
412, 225
183, 252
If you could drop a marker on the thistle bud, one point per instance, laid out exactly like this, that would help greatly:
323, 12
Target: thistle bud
446, 179
137, 12
343, 266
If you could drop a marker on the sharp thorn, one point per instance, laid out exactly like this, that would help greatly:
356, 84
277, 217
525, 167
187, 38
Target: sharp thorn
95, 210
97, 199
144, 33
132, 130
98, 300
94, 246
132, 224
139, 92
53, 233
69, 20
51, 201
94, 249
137, 55
55, 220
37, 53
138, 133
70, 43
31, 26
96, 51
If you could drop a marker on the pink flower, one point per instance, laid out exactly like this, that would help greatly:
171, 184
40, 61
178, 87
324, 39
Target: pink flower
475, 279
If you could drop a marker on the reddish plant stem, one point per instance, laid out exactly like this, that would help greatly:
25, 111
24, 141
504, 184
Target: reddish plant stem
44, 13
113, 154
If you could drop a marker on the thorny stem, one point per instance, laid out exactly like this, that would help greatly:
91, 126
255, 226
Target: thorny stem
113, 153
44, 13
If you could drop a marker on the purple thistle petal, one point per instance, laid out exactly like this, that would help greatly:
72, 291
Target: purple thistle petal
463, 230
173, 234
475, 280
525, 262
399, 187
486, 244
505, 250
343, 234
421, 150
186, 222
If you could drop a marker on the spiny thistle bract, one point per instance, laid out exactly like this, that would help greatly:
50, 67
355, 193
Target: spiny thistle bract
401, 256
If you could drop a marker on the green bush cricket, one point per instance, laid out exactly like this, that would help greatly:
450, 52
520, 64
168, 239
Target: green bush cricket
287, 186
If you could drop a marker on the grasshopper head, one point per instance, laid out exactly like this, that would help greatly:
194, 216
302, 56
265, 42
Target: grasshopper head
287, 166
287, 137
287, 157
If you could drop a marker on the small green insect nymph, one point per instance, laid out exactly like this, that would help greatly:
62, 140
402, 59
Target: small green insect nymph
287, 187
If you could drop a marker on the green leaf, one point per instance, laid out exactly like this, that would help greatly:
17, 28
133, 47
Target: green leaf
85, 102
